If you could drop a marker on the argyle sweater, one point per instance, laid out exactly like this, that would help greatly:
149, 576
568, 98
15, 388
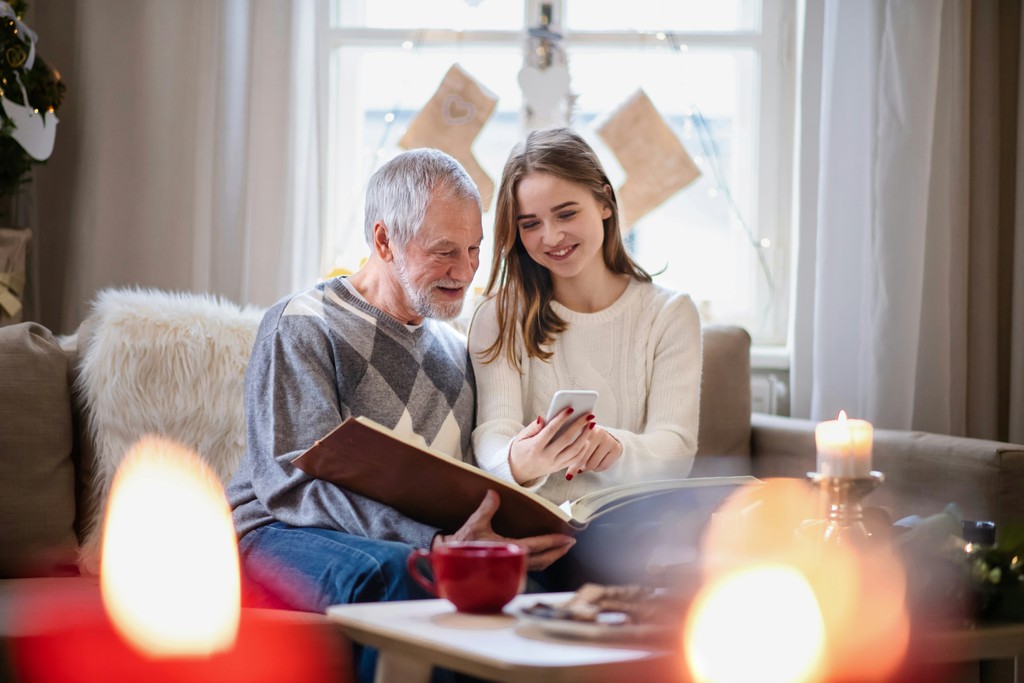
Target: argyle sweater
325, 354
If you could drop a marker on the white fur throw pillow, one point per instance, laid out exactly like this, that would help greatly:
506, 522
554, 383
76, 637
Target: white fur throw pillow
167, 364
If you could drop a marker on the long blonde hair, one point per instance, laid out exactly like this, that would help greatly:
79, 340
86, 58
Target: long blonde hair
521, 287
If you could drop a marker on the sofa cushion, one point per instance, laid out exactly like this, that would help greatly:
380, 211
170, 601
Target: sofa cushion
37, 477
166, 364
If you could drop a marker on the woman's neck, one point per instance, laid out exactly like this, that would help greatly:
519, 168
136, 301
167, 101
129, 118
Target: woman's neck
590, 291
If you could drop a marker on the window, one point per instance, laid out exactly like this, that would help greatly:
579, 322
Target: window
720, 73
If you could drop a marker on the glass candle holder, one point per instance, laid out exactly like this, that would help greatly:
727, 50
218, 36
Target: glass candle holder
844, 520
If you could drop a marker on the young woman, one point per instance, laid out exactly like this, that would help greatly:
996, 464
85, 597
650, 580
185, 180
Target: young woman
567, 308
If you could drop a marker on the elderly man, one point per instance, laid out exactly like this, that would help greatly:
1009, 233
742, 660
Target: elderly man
371, 345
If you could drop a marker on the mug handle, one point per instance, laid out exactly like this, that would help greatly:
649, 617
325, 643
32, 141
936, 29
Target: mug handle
415, 557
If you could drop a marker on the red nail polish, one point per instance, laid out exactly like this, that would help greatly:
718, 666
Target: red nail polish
538, 419
590, 417
592, 424
568, 477
568, 411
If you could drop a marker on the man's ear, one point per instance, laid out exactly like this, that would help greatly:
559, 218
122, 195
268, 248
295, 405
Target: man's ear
382, 243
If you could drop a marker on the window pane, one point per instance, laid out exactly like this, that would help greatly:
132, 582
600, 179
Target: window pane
495, 15
699, 239
372, 83
715, 239
663, 15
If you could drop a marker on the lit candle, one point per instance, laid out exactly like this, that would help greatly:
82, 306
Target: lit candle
844, 447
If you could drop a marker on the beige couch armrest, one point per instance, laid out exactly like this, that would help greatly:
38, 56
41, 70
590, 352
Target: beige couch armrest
923, 472
781, 446
724, 392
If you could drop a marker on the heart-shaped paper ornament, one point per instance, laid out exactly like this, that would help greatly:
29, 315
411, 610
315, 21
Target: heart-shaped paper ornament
457, 111
545, 91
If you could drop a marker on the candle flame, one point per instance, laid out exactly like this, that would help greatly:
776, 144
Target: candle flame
842, 416
169, 570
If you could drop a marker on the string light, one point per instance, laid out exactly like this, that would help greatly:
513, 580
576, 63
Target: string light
713, 157
406, 44
707, 142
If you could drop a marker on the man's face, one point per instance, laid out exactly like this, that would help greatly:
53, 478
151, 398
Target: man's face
437, 266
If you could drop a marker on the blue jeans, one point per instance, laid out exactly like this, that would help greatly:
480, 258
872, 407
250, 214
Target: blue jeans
310, 569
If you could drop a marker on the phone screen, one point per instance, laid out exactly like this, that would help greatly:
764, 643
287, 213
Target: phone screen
581, 402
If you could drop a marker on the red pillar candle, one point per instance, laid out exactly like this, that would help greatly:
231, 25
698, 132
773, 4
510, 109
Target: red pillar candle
58, 632
168, 604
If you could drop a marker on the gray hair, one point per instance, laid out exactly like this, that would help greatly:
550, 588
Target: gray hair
398, 191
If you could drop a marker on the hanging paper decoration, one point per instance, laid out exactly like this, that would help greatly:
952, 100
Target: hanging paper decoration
545, 92
33, 130
544, 79
31, 122
450, 122
655, 161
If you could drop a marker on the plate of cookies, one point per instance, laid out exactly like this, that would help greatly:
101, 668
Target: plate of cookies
599, 612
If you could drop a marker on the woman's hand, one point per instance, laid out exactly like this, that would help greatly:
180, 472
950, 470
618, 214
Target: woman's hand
602, 451
537, 451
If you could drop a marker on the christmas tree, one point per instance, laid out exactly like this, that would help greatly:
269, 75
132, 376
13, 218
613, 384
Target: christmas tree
30, 92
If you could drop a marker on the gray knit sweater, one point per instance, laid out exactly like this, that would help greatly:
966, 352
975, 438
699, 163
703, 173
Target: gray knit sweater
320, 356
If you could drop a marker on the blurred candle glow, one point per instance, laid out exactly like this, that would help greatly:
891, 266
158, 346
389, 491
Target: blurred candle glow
169, 570
168, 605
844, 447
761, 623
768, 589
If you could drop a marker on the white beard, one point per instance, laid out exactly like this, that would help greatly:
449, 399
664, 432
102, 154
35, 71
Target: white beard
421, 299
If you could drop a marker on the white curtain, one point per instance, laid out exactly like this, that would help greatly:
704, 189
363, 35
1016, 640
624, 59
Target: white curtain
894, 318
187, 154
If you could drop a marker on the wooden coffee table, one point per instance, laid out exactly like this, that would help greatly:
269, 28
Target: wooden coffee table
985, 642
416, 635
413, 636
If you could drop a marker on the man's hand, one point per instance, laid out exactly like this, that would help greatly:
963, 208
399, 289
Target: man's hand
541, 550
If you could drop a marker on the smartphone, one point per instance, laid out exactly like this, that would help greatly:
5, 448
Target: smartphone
581, 401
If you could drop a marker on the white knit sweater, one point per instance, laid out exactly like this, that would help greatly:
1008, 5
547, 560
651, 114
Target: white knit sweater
642, 355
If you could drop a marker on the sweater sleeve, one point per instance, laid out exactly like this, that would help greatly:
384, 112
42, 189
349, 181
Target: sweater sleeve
499, 412
666, 447
291, 400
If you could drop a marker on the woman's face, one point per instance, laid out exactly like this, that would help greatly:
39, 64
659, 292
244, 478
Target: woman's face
561, 224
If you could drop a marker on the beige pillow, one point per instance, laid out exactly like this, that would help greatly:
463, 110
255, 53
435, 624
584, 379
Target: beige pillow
37, 476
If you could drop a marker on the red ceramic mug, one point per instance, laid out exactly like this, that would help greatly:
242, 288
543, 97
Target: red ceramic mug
479, 577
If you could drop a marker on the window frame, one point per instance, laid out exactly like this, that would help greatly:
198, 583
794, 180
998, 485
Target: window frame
775, 102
